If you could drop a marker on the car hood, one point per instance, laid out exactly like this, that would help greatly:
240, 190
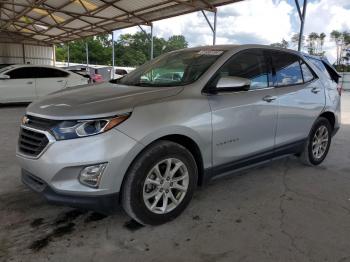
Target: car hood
96, 101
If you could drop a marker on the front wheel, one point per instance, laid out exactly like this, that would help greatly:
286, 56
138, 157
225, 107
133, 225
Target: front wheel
318, 143
160, 183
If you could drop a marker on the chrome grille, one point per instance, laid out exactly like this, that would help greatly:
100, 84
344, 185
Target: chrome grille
32, 143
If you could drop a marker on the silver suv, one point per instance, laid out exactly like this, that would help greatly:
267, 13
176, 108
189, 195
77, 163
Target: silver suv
145, 141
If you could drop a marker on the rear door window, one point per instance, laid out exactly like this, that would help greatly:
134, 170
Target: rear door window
22, 73
45, 72
287, 69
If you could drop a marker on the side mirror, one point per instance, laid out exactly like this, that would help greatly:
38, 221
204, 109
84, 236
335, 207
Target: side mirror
4, 77
232, 83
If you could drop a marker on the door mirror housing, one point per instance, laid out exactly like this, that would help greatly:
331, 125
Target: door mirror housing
232, 84
4, 77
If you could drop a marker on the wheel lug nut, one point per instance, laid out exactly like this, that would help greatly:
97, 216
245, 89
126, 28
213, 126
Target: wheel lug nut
161, 181
167, 191
168, 178
161, 190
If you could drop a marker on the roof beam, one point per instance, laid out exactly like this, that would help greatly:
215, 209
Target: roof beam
126, 12
41, 23
193, 5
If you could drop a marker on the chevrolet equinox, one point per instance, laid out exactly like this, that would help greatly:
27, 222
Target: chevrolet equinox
145, 141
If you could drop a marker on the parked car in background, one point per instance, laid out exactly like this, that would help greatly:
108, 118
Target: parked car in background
119, 72
25, 83
82, 72
146, 143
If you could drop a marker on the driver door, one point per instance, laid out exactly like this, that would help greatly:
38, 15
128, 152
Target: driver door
244, 122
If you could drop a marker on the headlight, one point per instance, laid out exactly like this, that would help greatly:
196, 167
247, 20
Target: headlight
82, 128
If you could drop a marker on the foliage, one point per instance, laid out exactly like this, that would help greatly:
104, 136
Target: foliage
295, 40
130, 49
282, 44
315, 44
341, 39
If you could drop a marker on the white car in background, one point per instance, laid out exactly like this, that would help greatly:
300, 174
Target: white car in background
119, 72
25, 83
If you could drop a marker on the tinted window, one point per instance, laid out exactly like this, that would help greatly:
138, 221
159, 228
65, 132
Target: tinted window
248, 64
287, 69
307, 74
44, 72
120, 72
20, 73
36, 72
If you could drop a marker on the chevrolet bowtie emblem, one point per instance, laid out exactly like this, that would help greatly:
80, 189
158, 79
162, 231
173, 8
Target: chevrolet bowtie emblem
25, 120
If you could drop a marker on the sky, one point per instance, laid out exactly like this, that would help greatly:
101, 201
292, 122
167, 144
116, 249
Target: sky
258, 22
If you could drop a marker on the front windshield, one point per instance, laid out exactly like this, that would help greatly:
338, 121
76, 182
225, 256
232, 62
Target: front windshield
4, 67
172, 69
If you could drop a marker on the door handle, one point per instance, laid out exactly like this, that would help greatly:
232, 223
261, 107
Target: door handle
59, 81
29, 83
269, 98
315, 90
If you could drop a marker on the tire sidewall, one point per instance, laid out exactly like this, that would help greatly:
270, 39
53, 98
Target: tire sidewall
138, 173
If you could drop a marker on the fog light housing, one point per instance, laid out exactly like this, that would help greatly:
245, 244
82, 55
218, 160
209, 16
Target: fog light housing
91, 175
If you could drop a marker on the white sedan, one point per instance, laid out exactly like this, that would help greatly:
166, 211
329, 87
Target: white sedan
25, 83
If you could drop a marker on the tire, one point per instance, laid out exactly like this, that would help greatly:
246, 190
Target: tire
152, 164
308, 156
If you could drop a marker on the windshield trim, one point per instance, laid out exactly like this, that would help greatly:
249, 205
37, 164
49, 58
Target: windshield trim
6, 68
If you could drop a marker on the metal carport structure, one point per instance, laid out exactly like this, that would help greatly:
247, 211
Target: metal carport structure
50, 22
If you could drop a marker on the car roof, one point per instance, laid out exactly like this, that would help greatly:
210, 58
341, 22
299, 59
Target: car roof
13, 66
234, 47
31, 65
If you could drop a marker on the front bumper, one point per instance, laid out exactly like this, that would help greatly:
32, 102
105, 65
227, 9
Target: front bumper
60, 164
106, 204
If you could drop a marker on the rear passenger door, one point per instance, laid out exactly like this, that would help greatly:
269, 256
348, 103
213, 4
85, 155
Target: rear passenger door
49, 80
20, 87
301, 98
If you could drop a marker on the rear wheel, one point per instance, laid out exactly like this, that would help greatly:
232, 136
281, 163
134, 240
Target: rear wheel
318, 143
160, 183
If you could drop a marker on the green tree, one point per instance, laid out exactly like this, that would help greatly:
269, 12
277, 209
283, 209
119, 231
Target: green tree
312, 43
295, 40
322, 38
282, 44
130, 49
341, 39
315, 43
100, 51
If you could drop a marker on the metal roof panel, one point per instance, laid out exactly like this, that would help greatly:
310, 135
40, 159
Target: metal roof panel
74, 19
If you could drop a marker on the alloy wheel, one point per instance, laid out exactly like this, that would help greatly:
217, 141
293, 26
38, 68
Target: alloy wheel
165, 186
320, 142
